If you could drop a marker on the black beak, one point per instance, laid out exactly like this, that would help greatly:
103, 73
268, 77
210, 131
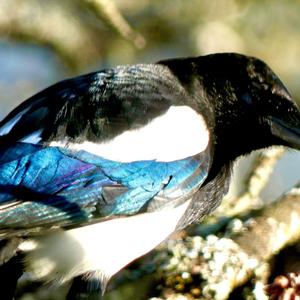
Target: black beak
287, 133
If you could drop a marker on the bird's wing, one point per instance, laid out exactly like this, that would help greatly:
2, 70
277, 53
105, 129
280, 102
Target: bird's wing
42, 187
96, 106
104, 146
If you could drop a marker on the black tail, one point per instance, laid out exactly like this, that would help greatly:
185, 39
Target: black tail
10, 272
86, 287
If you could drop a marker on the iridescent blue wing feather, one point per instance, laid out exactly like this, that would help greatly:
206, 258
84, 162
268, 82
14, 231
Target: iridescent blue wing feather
44, 186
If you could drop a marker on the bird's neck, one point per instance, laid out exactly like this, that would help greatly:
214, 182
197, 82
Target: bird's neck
235, 135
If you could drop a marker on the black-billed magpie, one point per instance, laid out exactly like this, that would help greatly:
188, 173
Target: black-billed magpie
97, 170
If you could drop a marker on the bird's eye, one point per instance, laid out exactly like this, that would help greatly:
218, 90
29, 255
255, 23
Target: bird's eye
247, 99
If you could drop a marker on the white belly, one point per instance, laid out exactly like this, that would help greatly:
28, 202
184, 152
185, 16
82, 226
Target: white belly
104, 247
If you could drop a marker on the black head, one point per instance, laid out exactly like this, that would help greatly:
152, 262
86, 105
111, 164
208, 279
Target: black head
253, 108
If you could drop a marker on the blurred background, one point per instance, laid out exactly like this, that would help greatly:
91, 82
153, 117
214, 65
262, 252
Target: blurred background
42, 42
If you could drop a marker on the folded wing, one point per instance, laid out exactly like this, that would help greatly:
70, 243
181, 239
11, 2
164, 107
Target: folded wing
106, 144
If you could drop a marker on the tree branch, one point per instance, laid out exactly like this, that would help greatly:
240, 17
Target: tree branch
107, 10
257, 180
213, 267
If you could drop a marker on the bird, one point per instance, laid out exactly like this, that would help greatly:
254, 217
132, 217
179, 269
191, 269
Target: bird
97, 170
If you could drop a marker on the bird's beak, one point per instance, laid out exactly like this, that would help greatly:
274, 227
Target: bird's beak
289, 134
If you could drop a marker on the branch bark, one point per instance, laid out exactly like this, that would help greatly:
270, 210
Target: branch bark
256, 181
108, 11
213, 267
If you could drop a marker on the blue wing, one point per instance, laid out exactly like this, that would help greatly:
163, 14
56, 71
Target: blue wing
44, 186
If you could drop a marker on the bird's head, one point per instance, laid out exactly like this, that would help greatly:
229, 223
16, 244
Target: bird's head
253, 108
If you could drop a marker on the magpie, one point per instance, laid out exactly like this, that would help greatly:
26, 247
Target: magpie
97, 170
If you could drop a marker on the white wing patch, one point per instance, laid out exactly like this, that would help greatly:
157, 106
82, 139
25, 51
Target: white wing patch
179, 133
105, 247
8, 126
